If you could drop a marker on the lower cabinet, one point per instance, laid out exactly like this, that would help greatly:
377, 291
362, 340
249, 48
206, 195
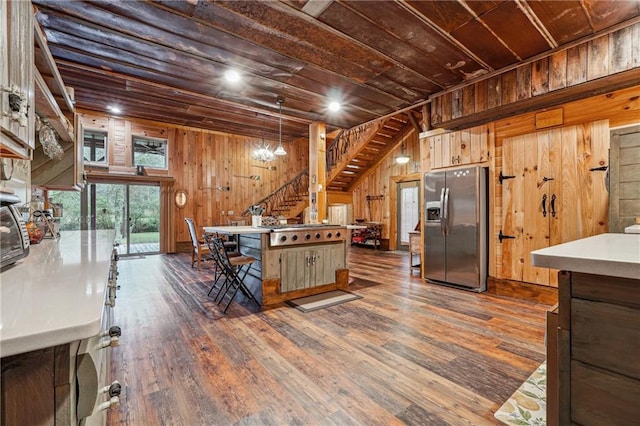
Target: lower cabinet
306, 267
66, 384
598, 350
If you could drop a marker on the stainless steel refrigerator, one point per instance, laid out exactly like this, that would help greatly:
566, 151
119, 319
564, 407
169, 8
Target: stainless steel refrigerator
456, 228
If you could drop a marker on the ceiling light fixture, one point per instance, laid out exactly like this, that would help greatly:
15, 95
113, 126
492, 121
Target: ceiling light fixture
114, 109
232, 76
263, 153
334, 106
280, 149
403, 158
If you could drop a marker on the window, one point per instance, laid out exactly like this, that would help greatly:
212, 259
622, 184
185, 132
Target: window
149, 152
95, 147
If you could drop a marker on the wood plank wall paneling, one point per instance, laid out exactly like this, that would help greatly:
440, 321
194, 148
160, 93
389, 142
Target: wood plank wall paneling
608, 62
379, 183
199, 161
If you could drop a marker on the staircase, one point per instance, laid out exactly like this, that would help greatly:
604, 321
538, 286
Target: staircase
351, 155
356, 151
289, 200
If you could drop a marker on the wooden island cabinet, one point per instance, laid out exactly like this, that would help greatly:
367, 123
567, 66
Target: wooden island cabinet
292, 261
598, 331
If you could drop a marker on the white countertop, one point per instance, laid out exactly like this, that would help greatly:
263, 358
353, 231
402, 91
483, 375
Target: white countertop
616, 255
235, 229
56, 295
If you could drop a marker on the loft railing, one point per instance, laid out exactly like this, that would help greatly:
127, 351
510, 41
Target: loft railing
343, 142
283, 195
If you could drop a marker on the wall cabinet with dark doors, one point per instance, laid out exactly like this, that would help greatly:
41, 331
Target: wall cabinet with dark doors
553, 191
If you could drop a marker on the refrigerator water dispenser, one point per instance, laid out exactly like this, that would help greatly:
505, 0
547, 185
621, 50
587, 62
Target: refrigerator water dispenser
433, 211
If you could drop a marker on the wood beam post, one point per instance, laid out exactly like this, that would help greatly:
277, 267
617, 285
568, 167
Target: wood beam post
317, 172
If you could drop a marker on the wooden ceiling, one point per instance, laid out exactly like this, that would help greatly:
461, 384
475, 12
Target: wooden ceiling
165, 60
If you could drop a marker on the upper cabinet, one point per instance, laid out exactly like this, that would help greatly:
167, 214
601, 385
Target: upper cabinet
17, 135
458, 148
57, 156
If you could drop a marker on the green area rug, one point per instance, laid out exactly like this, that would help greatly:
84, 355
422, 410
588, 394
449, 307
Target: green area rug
528, 404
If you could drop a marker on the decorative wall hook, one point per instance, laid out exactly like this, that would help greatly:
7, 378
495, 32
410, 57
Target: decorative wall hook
253, 177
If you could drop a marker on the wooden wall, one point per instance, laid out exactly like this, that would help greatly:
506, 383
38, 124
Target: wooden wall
620, 108
199, 162
608, 62
380, 181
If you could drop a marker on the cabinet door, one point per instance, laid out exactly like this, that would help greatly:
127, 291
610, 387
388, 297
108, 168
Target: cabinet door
16, 75
294, 269
459, 148
435, 151
583, 205
512, 249
554, 197
79, 152
538, 179
327, 260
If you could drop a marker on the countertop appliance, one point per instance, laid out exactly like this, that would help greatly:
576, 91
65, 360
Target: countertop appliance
456, 228
14, 239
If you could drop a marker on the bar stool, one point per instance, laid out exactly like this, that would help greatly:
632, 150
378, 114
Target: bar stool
234, 269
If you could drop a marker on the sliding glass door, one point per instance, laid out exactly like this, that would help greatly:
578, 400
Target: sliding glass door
132, 210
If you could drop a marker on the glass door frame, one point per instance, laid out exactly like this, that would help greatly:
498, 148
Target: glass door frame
88, 208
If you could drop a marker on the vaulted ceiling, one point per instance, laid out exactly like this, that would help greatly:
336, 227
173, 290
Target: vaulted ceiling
164, 60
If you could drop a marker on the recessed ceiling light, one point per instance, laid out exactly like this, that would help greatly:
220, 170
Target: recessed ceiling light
232, 76
114, 109
334, 106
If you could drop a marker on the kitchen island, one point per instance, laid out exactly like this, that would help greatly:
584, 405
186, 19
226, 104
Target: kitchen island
292, 260
598, 332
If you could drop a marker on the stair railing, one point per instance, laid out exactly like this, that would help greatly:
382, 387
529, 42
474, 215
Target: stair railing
343, 142
293, 188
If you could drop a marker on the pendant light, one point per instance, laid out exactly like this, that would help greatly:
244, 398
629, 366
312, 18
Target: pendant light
280, 149
403, 158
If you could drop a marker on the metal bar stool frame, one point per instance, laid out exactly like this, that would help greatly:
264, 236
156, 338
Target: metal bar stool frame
234, 269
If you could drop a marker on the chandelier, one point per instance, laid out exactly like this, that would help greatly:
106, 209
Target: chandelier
263, 152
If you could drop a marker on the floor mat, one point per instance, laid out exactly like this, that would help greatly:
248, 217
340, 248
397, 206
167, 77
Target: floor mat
323, 300
528, 404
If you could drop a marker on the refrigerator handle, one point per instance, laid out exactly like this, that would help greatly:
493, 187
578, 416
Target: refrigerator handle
445, 210
442, 212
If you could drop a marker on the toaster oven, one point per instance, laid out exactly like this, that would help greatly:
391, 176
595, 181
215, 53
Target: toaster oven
14, 239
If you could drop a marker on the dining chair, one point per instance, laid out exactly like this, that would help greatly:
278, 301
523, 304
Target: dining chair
234, 269
198, 247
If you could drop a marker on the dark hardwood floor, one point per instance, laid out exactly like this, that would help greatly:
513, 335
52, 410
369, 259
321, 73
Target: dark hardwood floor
408, 352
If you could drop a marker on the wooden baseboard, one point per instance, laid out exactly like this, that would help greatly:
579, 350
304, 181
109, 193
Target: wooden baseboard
522, 290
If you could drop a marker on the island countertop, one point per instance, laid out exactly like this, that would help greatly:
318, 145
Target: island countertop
235, 230
55, 295
616, 255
